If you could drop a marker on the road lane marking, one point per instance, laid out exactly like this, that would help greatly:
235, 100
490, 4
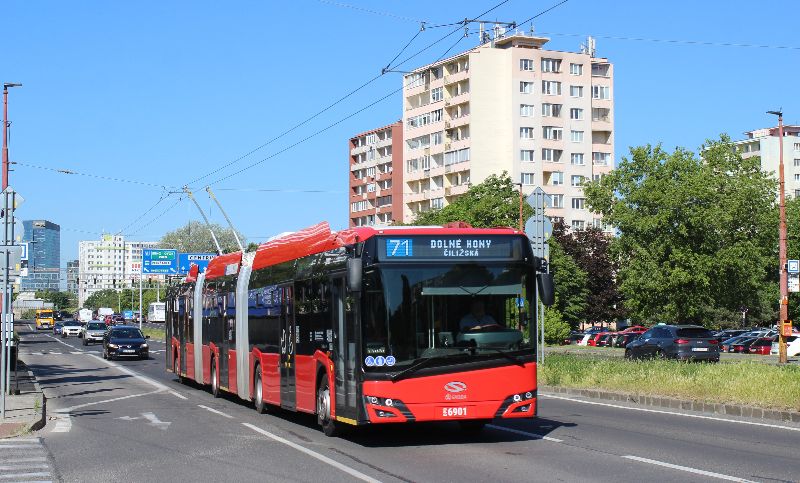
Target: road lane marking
23, 460
524, 433
350, 471
686, 469
696, 416
176, 394
215, 411
63, 423
20, 446
19, 440
131, 373
25, 466
25, 475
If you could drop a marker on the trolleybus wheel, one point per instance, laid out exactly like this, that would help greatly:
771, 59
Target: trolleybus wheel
176, 368
214, 379
258, 392
329, 426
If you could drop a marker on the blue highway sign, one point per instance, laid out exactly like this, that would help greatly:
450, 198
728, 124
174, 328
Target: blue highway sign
164, 261
185, 261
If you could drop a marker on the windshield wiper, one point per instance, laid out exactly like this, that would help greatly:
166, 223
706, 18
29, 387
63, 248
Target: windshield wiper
504, 354
424, 362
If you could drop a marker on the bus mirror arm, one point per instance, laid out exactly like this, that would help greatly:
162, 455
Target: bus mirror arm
354, 274
544, 282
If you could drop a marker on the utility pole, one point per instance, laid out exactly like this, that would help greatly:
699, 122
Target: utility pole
6, 85
784, 305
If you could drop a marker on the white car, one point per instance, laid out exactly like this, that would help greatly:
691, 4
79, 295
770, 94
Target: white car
792, 346
71, 327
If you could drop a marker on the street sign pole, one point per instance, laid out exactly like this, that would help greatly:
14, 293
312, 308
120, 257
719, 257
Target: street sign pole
539, 228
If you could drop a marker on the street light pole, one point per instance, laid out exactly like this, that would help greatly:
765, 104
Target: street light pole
6, 85
784, 305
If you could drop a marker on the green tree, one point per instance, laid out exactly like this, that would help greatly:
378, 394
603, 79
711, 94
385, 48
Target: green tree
60, 300
195, 237
492, 203
697, 234
570, 283
555, 328
126, 299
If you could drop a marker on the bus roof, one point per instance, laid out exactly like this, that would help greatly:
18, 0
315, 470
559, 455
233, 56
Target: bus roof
319, 238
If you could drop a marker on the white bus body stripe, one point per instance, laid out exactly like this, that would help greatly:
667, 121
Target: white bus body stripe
242, 336
197, 321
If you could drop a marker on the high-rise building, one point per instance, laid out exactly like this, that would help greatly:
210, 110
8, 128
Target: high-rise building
110, 263
764, 143
508, 105
44, 255
73, 271
376, 177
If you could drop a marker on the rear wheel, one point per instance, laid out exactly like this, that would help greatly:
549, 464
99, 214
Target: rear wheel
214, 379
176, 368
329, 426
258, 392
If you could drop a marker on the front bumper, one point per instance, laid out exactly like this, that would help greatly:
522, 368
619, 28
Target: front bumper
70, 332
386, 410
93, 338
126, 352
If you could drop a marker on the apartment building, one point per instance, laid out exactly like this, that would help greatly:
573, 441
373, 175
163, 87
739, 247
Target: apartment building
765, 143
546, 117
110, 263
376, 177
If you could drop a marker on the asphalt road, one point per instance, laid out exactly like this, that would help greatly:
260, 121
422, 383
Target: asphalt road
132, 421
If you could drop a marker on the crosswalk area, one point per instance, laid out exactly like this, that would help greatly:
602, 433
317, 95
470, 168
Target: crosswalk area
24, 460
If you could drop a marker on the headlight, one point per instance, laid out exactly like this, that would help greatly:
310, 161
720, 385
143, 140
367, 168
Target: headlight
112, 346
143, 346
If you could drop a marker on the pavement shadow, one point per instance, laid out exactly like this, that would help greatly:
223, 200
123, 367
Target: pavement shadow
89, 412
84, 393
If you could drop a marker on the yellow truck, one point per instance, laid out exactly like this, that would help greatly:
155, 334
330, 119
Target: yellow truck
44, 319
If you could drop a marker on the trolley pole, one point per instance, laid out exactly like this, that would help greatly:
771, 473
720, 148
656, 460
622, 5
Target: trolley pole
784, 305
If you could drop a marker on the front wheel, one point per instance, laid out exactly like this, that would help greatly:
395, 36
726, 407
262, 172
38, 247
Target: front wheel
324, 419
214, 379
628, 354
176, 368
258, 392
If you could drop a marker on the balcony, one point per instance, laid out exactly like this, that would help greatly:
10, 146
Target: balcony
457, 77
601, 70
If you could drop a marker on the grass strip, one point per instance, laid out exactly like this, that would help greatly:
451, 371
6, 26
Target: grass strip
746, 382
154, 333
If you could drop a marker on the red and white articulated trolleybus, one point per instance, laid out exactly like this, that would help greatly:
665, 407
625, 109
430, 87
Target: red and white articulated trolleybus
368, 326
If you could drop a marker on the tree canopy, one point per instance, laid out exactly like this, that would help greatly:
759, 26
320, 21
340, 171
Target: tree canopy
698, 234
194, 237
126, 299
60, 300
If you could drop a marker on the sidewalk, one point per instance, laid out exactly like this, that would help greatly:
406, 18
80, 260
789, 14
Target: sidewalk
26, 411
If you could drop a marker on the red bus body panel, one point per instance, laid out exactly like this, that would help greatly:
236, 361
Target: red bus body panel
232, 384
190, 361
206, 364
428, 399
271, 377
305, 373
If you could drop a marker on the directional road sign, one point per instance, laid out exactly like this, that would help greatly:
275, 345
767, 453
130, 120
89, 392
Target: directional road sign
538, 227
793, 266
164, 261
186, 260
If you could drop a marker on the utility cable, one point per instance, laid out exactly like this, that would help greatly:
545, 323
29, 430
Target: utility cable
96, 176
677, 41
157, 217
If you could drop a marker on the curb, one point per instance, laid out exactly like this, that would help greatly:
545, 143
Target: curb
37, 425
683, 404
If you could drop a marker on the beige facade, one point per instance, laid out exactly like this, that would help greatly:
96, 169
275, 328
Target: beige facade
764, 143
376, 180
545, 117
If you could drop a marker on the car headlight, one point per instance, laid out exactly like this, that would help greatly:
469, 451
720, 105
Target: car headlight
112, 346
143, 346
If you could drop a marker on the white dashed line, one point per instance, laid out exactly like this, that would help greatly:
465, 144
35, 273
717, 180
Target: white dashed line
686, 469
178, 395
215, 411
524, 433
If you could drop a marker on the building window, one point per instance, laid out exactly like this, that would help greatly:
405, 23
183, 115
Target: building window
797, 177
600, 114
796, 163
576, 114
453, 157
551, 132
551, 155
551, 65
578, 203
526, 64
601, 159
551, 110
576, 91
601, 92
557, 178
576, 136
526, 155
526, 110
576, 69
437, 94
360, 206
526, 87
526, 133
797, 146
415, 80
437, 203
436, 115
577, 180
552, 88
436, 138
578, 225
527, 178
557, 201
576, 159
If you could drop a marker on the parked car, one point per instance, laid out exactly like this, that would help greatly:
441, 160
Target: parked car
125, 341
681, 342
623, 340
594, 339
71, 327
573, 338
761, 346
636, 328
607, 340
728, 333
792, 346
743, 346
727, 345
94, 332
57, 328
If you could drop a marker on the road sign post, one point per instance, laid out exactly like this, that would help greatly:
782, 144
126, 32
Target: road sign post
539, 228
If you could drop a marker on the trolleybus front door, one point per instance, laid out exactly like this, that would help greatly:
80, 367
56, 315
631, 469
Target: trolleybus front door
343, 311
288, 343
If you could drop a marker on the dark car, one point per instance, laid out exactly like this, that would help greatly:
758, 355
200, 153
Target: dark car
743, 346
573, 338
623, 340
607, 340
729, 333
681, 342
125, 341
727, 345
57, 328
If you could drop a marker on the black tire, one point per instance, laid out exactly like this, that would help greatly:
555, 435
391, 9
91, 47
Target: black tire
473, 426
329, 426
628, 355
659, 354
258, 392
176, 368
214, 379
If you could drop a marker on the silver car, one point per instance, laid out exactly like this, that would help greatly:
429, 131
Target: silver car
94, 332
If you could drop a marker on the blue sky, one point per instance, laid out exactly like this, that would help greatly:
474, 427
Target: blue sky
165, 92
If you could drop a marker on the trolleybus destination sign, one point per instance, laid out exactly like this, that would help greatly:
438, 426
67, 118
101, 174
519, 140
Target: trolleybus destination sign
449, 247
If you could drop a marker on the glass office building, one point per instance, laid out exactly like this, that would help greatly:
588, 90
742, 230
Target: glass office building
44, 255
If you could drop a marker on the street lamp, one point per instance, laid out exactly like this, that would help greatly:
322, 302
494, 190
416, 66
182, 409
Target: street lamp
6, 85
784, 305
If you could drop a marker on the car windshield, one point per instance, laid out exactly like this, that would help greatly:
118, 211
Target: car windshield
695, 333
96, 326
127, 334
423, 311
72, 323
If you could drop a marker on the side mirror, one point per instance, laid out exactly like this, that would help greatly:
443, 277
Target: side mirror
354, 267
544, 283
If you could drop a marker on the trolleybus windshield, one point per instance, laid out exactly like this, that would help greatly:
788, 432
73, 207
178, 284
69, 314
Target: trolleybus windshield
420, 310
